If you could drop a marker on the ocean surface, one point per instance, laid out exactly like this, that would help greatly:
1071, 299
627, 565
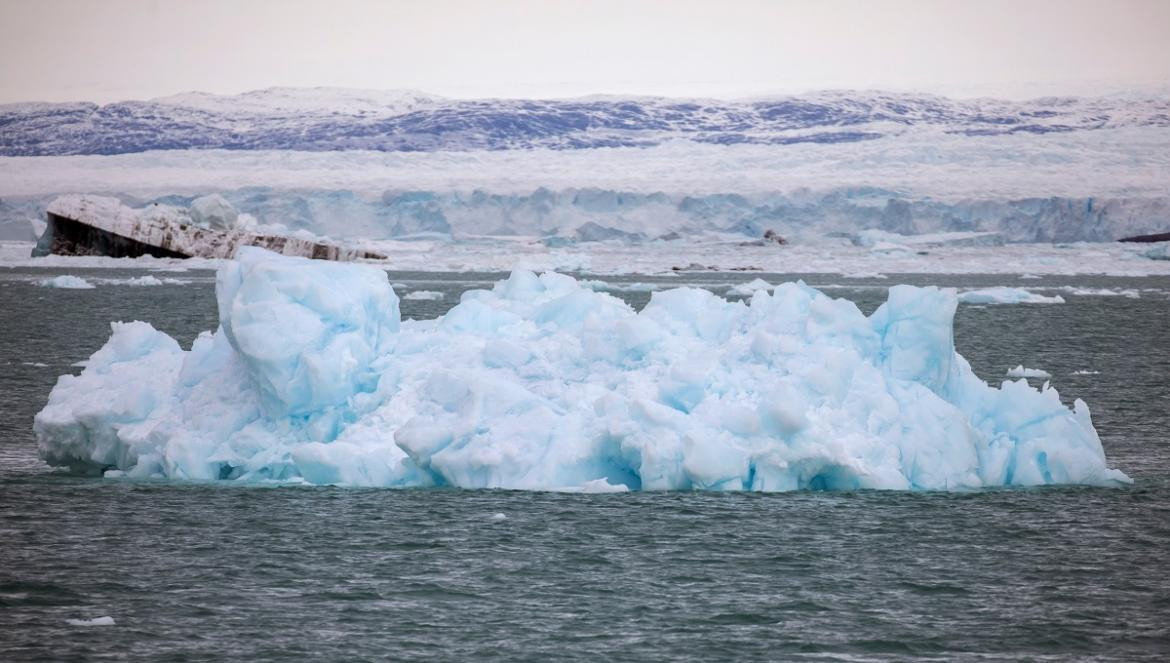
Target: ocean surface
204, 572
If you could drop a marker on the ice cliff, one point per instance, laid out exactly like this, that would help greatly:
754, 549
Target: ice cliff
542, 383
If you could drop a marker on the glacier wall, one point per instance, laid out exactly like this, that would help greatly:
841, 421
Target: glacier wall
543, 384
592, 214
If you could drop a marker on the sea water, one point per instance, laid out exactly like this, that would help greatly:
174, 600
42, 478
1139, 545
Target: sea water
101, 568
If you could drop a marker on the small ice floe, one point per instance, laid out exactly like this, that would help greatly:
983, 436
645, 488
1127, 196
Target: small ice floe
1086, 372
139, 281
602, 286
1021, 372
749, 289
1030, 276
424, 295
497, 517
1128, 293
864, 275
96, 621
35, 364
1004, 295
66, 281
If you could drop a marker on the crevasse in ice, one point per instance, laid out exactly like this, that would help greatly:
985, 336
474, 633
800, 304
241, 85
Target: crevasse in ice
542, 383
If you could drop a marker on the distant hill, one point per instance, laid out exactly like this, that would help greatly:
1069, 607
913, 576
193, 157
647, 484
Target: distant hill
336, 119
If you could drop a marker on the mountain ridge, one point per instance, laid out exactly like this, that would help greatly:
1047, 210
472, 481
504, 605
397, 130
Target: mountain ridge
332, 119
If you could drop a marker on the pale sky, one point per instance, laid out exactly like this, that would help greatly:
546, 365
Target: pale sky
109, 50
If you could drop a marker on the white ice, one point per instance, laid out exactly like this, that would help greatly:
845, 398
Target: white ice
424, 295
1021, 372
67, 281
750, 288
540, 383
1005, 295
96, 621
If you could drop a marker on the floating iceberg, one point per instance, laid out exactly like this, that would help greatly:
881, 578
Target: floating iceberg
750, 288
68, 282
1022, 372
424, 295
541, 383
1003, 295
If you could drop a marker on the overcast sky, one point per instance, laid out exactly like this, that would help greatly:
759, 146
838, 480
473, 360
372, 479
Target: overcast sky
59, 50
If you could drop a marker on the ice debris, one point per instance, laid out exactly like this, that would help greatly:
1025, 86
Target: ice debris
96, 621
750, 288
424, 295
68, 282
1021, 372
1004, 295
540, 383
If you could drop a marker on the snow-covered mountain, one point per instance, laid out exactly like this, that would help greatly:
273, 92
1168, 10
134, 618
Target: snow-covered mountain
382, 164
331, 119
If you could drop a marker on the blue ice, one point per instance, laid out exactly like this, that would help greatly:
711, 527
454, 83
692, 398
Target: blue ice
542, 383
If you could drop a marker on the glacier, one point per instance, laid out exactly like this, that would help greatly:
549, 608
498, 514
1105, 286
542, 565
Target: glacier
542, 383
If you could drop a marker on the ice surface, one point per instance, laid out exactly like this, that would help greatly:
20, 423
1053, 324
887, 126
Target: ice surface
1021, 372
956, 187
540, 383
1159, 251
67, 281
1005, 295
214, 211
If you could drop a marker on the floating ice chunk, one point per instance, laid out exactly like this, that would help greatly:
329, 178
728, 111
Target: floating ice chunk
542, 384
35, 364
139, 281
96, 621
145, 280
67, 281
424, 295
748, 289
1128, 293
602, 286
1086, 372
1030, 276
1004, 295
1021, 372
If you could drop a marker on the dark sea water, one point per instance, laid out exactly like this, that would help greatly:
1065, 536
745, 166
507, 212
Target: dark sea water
212, 572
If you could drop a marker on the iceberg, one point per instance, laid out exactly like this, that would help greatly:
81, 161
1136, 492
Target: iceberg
542, 383
67, 281
750, 288
1021, 372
